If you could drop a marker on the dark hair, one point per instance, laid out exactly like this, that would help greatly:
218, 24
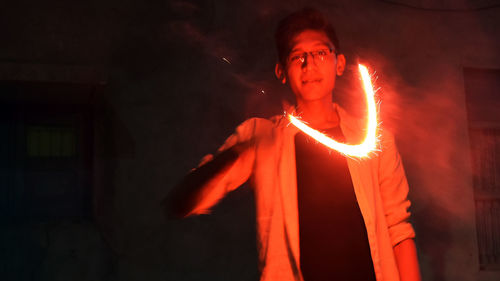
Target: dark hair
293, 24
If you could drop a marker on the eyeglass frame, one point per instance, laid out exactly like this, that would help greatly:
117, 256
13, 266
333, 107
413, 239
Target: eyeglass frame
304, 55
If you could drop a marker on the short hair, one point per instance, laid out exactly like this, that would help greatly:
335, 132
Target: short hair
303, 19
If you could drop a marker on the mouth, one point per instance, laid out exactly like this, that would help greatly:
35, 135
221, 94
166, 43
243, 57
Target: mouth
311, 81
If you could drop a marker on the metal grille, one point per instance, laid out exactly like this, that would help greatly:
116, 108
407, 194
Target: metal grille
50, 141
485, 147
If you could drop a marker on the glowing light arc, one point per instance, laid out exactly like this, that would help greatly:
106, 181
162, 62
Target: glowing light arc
369, 143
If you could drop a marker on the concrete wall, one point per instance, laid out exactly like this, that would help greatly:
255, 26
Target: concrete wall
169, 98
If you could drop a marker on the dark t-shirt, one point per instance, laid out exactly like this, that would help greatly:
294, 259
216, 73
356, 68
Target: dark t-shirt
333, 240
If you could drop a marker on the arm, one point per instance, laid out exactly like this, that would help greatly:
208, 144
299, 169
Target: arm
394, 192
204, 186
406, 259
200, 183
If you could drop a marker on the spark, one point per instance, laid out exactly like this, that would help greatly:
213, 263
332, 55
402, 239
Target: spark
226, 60
370, 141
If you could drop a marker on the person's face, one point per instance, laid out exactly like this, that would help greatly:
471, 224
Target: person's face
312, 66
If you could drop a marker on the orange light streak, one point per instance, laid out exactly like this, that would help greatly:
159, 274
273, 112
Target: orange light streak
369, 143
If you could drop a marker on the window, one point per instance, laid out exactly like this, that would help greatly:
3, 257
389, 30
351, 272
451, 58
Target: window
46, 152
485, 144
43, 141
483, 101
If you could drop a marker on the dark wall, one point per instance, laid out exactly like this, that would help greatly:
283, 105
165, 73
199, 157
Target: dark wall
175, 77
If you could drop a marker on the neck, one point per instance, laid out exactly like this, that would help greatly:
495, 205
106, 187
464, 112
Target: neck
319, 114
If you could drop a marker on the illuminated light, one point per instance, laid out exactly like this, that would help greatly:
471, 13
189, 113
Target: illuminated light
370, 140
262, 91
226, 60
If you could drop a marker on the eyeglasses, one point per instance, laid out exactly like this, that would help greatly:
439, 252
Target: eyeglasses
318, 56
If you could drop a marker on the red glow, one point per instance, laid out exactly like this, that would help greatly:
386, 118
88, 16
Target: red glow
369, 144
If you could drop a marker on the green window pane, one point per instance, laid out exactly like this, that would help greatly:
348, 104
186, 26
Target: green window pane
68, 143
55, 142
50, 142
44, 142
32, 142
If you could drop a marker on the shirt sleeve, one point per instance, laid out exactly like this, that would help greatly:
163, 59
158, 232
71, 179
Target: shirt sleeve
231, 178
394, 191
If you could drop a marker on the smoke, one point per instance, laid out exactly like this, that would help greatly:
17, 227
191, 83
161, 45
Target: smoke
421, 101
424, 107
418, 107
240, 56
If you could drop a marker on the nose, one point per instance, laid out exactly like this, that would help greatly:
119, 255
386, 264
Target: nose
309, 61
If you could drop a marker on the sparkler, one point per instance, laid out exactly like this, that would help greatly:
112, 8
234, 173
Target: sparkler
369, 143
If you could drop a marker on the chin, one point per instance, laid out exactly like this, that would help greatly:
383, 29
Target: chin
315, 96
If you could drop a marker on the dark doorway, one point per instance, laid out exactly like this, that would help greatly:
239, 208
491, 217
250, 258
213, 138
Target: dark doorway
46, 154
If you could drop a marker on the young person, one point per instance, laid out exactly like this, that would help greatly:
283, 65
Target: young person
320, 215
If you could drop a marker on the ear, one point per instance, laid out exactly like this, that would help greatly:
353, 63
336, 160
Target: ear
280, 73
340, 64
